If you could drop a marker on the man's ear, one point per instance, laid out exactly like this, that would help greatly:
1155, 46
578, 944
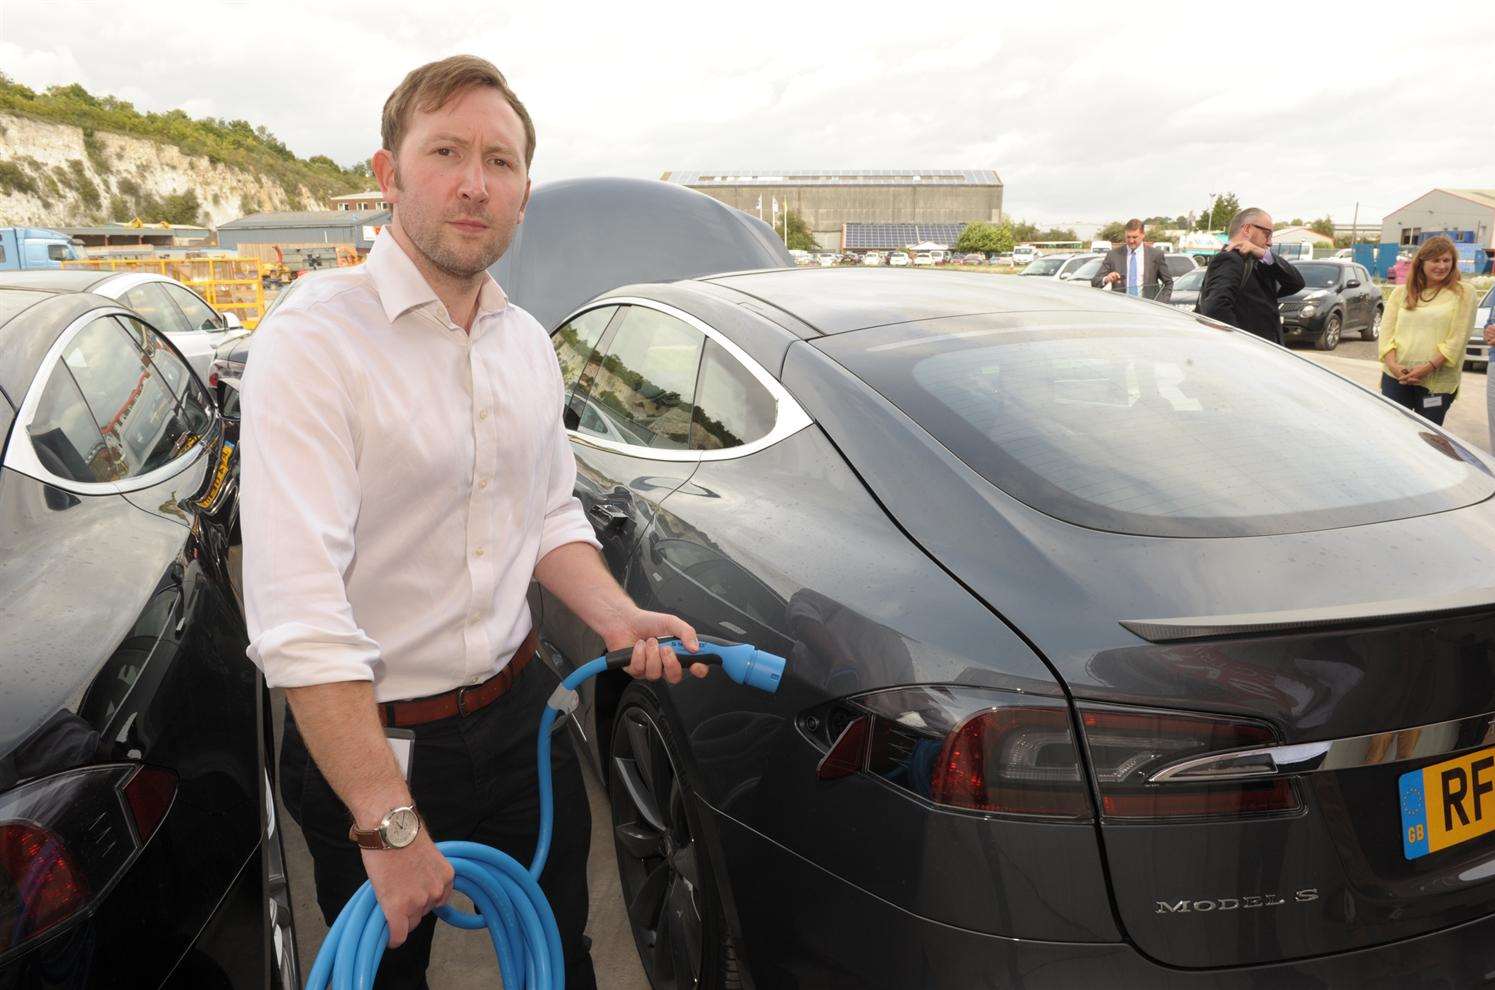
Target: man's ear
524, 204
384, 170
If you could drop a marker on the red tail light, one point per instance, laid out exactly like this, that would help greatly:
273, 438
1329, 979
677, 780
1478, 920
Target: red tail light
1128, 746
987, 751
66, 840
996, 761
37, 871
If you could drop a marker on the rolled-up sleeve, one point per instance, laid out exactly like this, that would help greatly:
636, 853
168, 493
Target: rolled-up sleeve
565, 521
300, 499
1452, 342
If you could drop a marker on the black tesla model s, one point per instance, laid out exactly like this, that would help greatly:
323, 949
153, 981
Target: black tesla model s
137, 843
1114, 659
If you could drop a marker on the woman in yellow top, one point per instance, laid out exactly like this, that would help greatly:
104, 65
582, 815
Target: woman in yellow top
1423, 335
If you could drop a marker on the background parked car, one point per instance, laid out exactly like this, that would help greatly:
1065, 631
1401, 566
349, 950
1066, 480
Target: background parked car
872, 258
1052, 265
1338, 296
899, 259
1024, 253
973, 259
1186, 289
1477, 353
989, 754
137, 844
196, 328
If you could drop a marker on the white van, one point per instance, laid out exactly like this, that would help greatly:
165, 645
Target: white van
1024, 253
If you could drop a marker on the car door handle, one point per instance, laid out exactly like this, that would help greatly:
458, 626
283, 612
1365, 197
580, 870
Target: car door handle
606, 516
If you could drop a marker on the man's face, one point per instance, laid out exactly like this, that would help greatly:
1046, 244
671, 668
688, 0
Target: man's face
1134, 238
458, 181
1258, 231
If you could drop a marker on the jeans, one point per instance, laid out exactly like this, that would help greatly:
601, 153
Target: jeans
1416, 397
472, 778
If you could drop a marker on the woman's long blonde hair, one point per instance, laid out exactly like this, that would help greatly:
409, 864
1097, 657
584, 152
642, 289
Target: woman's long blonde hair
1417, 280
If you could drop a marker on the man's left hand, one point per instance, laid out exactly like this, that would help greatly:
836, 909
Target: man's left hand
643, 631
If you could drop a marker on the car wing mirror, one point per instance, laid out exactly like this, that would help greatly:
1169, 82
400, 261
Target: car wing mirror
1353, 283
231, 321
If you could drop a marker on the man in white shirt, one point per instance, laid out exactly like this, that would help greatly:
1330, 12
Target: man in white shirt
405, 474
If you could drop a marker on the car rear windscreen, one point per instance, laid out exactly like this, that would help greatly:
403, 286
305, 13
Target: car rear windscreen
1162, 426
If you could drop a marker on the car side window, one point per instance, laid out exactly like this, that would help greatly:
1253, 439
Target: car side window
65, 436
200, 316
195, 405
130, 400
732, 407
1362, 275
159, 311
643, 390
575, 341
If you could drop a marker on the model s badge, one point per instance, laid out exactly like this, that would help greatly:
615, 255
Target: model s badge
1243, 903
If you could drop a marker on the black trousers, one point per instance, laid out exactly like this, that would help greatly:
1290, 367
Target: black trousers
1416, 397
473, 778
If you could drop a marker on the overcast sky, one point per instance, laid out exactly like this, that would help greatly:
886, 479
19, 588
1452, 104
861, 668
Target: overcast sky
1088, 112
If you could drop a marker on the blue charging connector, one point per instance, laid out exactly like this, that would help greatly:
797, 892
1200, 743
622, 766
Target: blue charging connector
508, 898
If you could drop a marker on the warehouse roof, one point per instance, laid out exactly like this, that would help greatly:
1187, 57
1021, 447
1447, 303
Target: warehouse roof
307, 218
1484, 197
837, 177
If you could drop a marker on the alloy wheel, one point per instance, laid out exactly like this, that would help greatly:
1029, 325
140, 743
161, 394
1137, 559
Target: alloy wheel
658, 862
1374, 333
1329, 339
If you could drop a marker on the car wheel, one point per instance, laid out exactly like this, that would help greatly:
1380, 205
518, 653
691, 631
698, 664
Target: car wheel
1329, 339
668, 887
1373, 332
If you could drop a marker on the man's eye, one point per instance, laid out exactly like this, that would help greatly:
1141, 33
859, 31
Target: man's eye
445, 152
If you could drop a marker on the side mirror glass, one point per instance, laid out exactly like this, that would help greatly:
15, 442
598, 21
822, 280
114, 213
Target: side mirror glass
1353, 283
231, 321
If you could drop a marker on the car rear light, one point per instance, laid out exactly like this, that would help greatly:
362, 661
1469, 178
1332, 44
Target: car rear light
66, 840
1128, 747
994, 752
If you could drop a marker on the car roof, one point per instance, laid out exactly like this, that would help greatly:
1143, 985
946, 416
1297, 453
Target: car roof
54, 279
837, 300
30, 321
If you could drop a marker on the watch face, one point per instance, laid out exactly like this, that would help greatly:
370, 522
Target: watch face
401, 828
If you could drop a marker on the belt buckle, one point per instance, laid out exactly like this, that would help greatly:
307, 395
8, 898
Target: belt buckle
462, 701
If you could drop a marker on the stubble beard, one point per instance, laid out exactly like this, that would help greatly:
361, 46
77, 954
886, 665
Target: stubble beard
428, 236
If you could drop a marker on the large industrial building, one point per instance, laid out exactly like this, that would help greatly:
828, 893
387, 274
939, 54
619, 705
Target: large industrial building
829, 200
1465, 216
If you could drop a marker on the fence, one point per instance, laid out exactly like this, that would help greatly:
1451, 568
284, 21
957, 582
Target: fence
228, 284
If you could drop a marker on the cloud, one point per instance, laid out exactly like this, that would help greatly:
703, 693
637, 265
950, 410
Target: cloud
1087, 110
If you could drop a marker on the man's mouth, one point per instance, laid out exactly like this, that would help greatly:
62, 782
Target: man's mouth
471, 226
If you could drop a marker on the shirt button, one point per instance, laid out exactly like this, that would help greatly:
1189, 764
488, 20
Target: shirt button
483, 414
483, 484
478, 552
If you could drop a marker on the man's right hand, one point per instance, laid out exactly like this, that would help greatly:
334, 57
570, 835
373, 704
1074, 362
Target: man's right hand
1490, 334
409, 883
1111, 278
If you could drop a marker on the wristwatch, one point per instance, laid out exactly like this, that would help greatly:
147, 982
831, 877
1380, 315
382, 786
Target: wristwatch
395, 830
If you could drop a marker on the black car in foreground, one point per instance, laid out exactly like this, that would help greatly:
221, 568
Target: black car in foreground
1108, 666
138, 847
1338, 297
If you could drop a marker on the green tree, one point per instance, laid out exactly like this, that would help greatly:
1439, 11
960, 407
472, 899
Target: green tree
1323, 225
1022, 232
800, 237
1057, 234
987, 238
1217, 215
1115, 232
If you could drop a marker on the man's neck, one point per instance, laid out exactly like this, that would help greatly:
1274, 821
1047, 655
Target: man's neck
459, 295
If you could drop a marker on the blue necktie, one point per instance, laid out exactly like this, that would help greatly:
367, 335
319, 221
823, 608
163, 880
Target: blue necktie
1133, 280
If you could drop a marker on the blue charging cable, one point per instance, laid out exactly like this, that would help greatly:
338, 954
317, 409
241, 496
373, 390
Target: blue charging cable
508, 898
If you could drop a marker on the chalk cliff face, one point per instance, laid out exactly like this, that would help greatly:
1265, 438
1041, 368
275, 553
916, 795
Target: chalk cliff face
53, 175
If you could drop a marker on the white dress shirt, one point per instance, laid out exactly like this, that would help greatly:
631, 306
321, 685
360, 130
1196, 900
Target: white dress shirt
400, 480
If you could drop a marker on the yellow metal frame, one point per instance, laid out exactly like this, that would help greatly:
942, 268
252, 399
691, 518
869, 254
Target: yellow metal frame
232, 284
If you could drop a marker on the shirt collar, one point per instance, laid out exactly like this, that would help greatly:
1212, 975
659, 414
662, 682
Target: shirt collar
401, 287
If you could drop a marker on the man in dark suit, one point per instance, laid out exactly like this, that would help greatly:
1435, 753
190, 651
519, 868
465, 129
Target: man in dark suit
1244, 281
1135, 268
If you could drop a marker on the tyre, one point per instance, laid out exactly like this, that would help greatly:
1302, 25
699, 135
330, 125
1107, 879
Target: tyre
1329, 338
663, 865
1373, 332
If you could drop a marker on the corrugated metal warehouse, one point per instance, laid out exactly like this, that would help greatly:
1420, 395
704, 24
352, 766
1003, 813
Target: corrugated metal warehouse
829, 199
1467, 216
305, 227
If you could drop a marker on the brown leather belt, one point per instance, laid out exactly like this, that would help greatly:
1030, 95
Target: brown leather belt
463, 700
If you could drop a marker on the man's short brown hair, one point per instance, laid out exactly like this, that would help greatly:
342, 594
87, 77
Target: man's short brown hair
1134, 224
434, 85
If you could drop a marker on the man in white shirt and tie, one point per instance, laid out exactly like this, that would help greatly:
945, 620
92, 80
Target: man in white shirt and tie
405, 474
1136, 268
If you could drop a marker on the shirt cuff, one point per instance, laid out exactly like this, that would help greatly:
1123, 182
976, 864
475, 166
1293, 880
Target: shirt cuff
296, 654
567, 524
1269, 258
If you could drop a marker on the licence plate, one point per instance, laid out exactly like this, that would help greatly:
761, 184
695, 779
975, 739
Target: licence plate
220, 475
1447, 803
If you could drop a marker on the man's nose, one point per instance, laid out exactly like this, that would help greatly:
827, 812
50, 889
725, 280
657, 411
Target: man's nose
474, 183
